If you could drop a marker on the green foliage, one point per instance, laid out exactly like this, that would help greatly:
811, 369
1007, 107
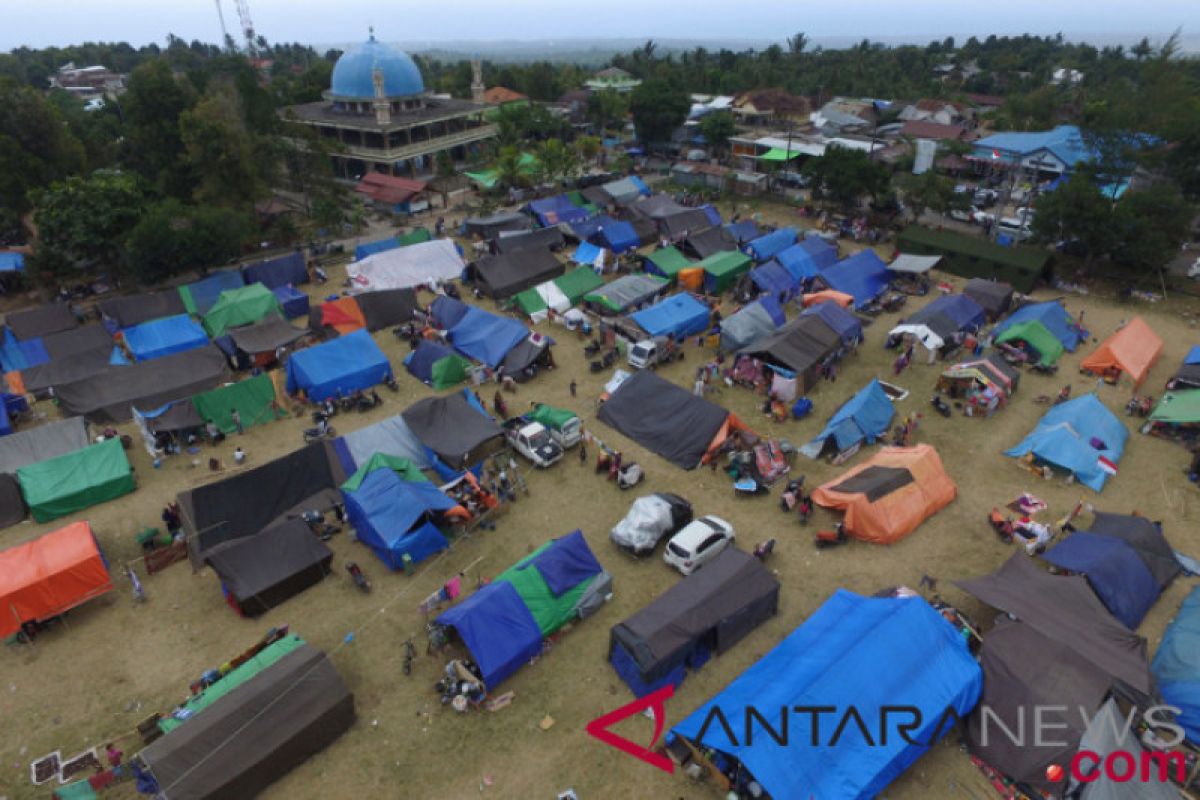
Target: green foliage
607, 108
85, 221
172, 238
511, 171
153, 146
523, 122
717, 128
37, 147
1076, 211
221, 152
927, 192
658, 108
844, 176
588, 148
307, 159
556, 161
1149, 226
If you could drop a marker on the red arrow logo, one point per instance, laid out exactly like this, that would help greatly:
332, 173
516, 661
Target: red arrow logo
599, 728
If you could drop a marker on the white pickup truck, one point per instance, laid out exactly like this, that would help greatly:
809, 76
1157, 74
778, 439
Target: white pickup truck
564, 425
532, 440
652, 352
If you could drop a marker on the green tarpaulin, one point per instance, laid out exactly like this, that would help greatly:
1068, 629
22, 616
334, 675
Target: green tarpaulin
529, 301
527, 164
449, 371
723, 269
241, 307
669, 261
80, 790
551, 417
579, 282
1178, 408
239, 675
778, 154
550, 612
254, 400
72, 482
415, 236
406, 469
1036, 336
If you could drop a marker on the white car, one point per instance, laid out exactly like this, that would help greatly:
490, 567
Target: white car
698, 543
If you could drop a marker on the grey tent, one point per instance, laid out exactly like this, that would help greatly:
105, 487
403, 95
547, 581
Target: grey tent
658, 206
255, 734
507, 274
745, 327
266, 336
913, 265
138, 308
597, 196
692, 219
626, 292
84, 339
527, 353
390, 437
994, 296
707, 242
799, 346
245, 503
1105, 735
710, 610
459, 433
540, 239
67, 369
623, 191
178, 416
664, 418
12, 502
32, 445
110, 395
646, 230
387, 307
35, 322
489, 227
261, 571
1146, 540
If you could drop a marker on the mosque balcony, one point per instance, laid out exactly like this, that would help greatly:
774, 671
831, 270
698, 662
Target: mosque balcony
423, 147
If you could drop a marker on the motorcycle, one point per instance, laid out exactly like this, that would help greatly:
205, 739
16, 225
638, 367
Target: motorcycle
360, 580
1139, 406
831, 538
763, 550
316, 523
592, 348
1043, 369
792, 495
1003, 526
323, 431
940, 405
1012, 354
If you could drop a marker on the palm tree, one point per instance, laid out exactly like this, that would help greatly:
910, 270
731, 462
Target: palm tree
797, 44
508, 167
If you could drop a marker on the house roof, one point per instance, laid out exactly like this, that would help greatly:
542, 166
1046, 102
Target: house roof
934, 106
1065, 142
923, 129
388, 189
986, 100
775, 100
502, 94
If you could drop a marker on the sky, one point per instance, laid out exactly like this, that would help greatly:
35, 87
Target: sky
40, 23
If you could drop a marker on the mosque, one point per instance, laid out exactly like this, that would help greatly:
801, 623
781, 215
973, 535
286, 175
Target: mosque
377, 107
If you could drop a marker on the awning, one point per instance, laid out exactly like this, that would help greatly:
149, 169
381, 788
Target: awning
915, 265
778, 154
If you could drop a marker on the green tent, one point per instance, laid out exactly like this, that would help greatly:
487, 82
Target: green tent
1037, 337
550, 612
669, 261
1178, 408
449, 371
529, 301
579, 282
415, 236
527, 165
722, 269
779, 154
243, 306
254, 400
406, 469
553, 418
74, 481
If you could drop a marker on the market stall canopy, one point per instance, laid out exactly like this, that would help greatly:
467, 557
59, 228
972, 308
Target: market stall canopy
913, 265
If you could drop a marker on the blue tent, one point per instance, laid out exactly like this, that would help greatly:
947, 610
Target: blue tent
17, 355
1052, 315
860, 652
498, 629
1068, 435
772, 279
679, 315
294, 301
551, 211
5, 423
847, 326
1176, 665
743, 231
587, 228
863, 418
340, 366
12, 261
1115, 571
390, 515
1193, 356
768, 246
378, 246
714, 216
163, 337
587, 253
751, 323
863, 276
205, 292
421, 360
965, 313
641, 185
275, 272
446, 311
824, 254
798, 262
485, 337
618, 237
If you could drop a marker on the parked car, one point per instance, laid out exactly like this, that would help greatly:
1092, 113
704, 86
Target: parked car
973, 215
1013, 228
698, 543
985, 198
649, 519
532, 440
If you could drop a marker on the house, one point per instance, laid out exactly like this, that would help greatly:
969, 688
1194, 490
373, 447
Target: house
394, 193
88, 83
770, 106
613, 78
1064, 76
922, 129
1056, 151
985, 102
840, 115
499, 95
943, 112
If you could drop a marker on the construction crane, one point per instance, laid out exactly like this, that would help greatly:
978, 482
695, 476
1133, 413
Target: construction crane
243, 10
225, 40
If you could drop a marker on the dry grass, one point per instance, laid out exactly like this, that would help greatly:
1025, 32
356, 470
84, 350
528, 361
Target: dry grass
116, 662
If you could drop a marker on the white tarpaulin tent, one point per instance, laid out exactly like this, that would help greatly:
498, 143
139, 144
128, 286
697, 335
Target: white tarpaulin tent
553, 297
914, 265
923, 334
405, 267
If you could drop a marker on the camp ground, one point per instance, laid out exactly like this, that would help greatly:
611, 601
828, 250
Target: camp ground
940, 324
1044, 330
863, 419
1131, 351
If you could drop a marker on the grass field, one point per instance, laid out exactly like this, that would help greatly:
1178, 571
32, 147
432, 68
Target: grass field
115, 662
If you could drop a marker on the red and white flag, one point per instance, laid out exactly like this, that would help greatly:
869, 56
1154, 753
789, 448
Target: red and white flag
995, 155
1106, 465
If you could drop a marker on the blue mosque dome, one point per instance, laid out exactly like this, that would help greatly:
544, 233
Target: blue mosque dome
354, 70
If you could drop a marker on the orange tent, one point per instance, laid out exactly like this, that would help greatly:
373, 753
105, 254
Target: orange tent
343, 315
890, 495
50, 575
691, 279
1133, 349
841, 298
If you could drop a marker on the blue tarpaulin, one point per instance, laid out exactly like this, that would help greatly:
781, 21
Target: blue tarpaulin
824, 254
679, 315
498, 629
766, 247
275, 272
714, 216
371, 248
1052, 316
1193, 356
446, 311
773, 279
1064, 438
587, 228
5, 423
847, 326
163, 337
341, 366
12, 262
551, 211
565, 563
205, 292
587, 253
1176, 665
294, 301
861, 420
390, 515
421, 360
485, 337
1115, 571
17, 355
798, 262
860, 652
965, 313
863, 276
743, 231
618, 237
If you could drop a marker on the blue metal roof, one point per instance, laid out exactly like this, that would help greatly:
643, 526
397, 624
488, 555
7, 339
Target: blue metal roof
353, 72
1064, 141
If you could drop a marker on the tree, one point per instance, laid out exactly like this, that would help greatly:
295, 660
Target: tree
606, 108
658, 109
510, 169
1149, 226
85, 221
153, 146
307, 160
521, 122
556, 160
588, 148
717, 128
171, 239
221, 152
1077, 212
844, 176
927, 192
797, 44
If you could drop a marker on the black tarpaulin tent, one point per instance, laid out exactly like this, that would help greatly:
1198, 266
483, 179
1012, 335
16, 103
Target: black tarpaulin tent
12, 502
261, 571
387, 307
489, 227
67, 369
709, 242
455, 429
138, 308
798, 347
179, 416
684, 222
257, 733
994, 296
32, 445
84, 339
35, 322
507, 274
540, 239
266, 336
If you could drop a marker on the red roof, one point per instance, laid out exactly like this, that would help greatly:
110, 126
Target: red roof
502, 94
921, 129
388, 189
986, 100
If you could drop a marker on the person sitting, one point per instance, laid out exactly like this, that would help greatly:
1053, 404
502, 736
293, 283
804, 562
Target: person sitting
215, 436
239, 456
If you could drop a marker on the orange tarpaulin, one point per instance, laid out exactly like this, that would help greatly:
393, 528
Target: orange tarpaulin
1133, 349
841, 298
890, 495
343, 315
50, 575
691, 279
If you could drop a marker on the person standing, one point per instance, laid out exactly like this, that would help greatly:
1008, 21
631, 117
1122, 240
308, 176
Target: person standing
574, 387
237, 421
